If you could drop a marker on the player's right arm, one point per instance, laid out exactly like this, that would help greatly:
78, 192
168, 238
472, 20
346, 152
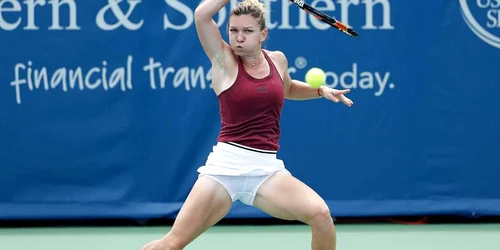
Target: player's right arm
217, 50
208, 32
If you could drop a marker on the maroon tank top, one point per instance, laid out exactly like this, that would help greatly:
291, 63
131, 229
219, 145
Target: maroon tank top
250, 109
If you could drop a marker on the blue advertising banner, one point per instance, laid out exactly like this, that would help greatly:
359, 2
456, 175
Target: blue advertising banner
107, 110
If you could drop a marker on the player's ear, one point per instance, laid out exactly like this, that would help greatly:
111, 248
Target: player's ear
264, 34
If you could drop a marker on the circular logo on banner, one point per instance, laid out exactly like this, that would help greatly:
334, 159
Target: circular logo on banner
485, 21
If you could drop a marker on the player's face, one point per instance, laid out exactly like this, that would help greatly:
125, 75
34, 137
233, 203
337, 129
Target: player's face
245, 36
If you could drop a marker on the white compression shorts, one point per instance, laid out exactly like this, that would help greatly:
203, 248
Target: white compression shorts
241, 170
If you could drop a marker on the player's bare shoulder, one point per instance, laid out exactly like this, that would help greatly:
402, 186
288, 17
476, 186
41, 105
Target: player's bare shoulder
279, 60
276, 56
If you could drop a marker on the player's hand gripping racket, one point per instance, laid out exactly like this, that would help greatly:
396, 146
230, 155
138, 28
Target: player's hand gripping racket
325, 18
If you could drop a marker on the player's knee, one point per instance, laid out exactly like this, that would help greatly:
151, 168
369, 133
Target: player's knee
320, 216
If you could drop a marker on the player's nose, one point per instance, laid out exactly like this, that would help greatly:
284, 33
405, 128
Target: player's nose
240, 38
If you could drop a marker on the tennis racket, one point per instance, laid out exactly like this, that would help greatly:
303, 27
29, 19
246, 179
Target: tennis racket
325, 18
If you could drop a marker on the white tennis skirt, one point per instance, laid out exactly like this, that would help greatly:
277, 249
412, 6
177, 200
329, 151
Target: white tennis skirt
233, 159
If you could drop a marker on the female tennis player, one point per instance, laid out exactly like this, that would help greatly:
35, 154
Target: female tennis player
251, 84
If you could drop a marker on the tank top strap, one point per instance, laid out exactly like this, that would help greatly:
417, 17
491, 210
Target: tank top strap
272, 67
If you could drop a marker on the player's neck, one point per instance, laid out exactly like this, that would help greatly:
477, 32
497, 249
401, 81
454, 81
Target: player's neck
253, 61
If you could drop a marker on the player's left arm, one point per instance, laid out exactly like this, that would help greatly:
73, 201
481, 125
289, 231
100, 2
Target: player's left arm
299, 90
294, 89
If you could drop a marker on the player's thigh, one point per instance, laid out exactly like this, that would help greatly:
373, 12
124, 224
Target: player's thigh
284, 196
207, 203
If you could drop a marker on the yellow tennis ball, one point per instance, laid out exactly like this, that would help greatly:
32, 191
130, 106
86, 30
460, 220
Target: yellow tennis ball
315, 77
